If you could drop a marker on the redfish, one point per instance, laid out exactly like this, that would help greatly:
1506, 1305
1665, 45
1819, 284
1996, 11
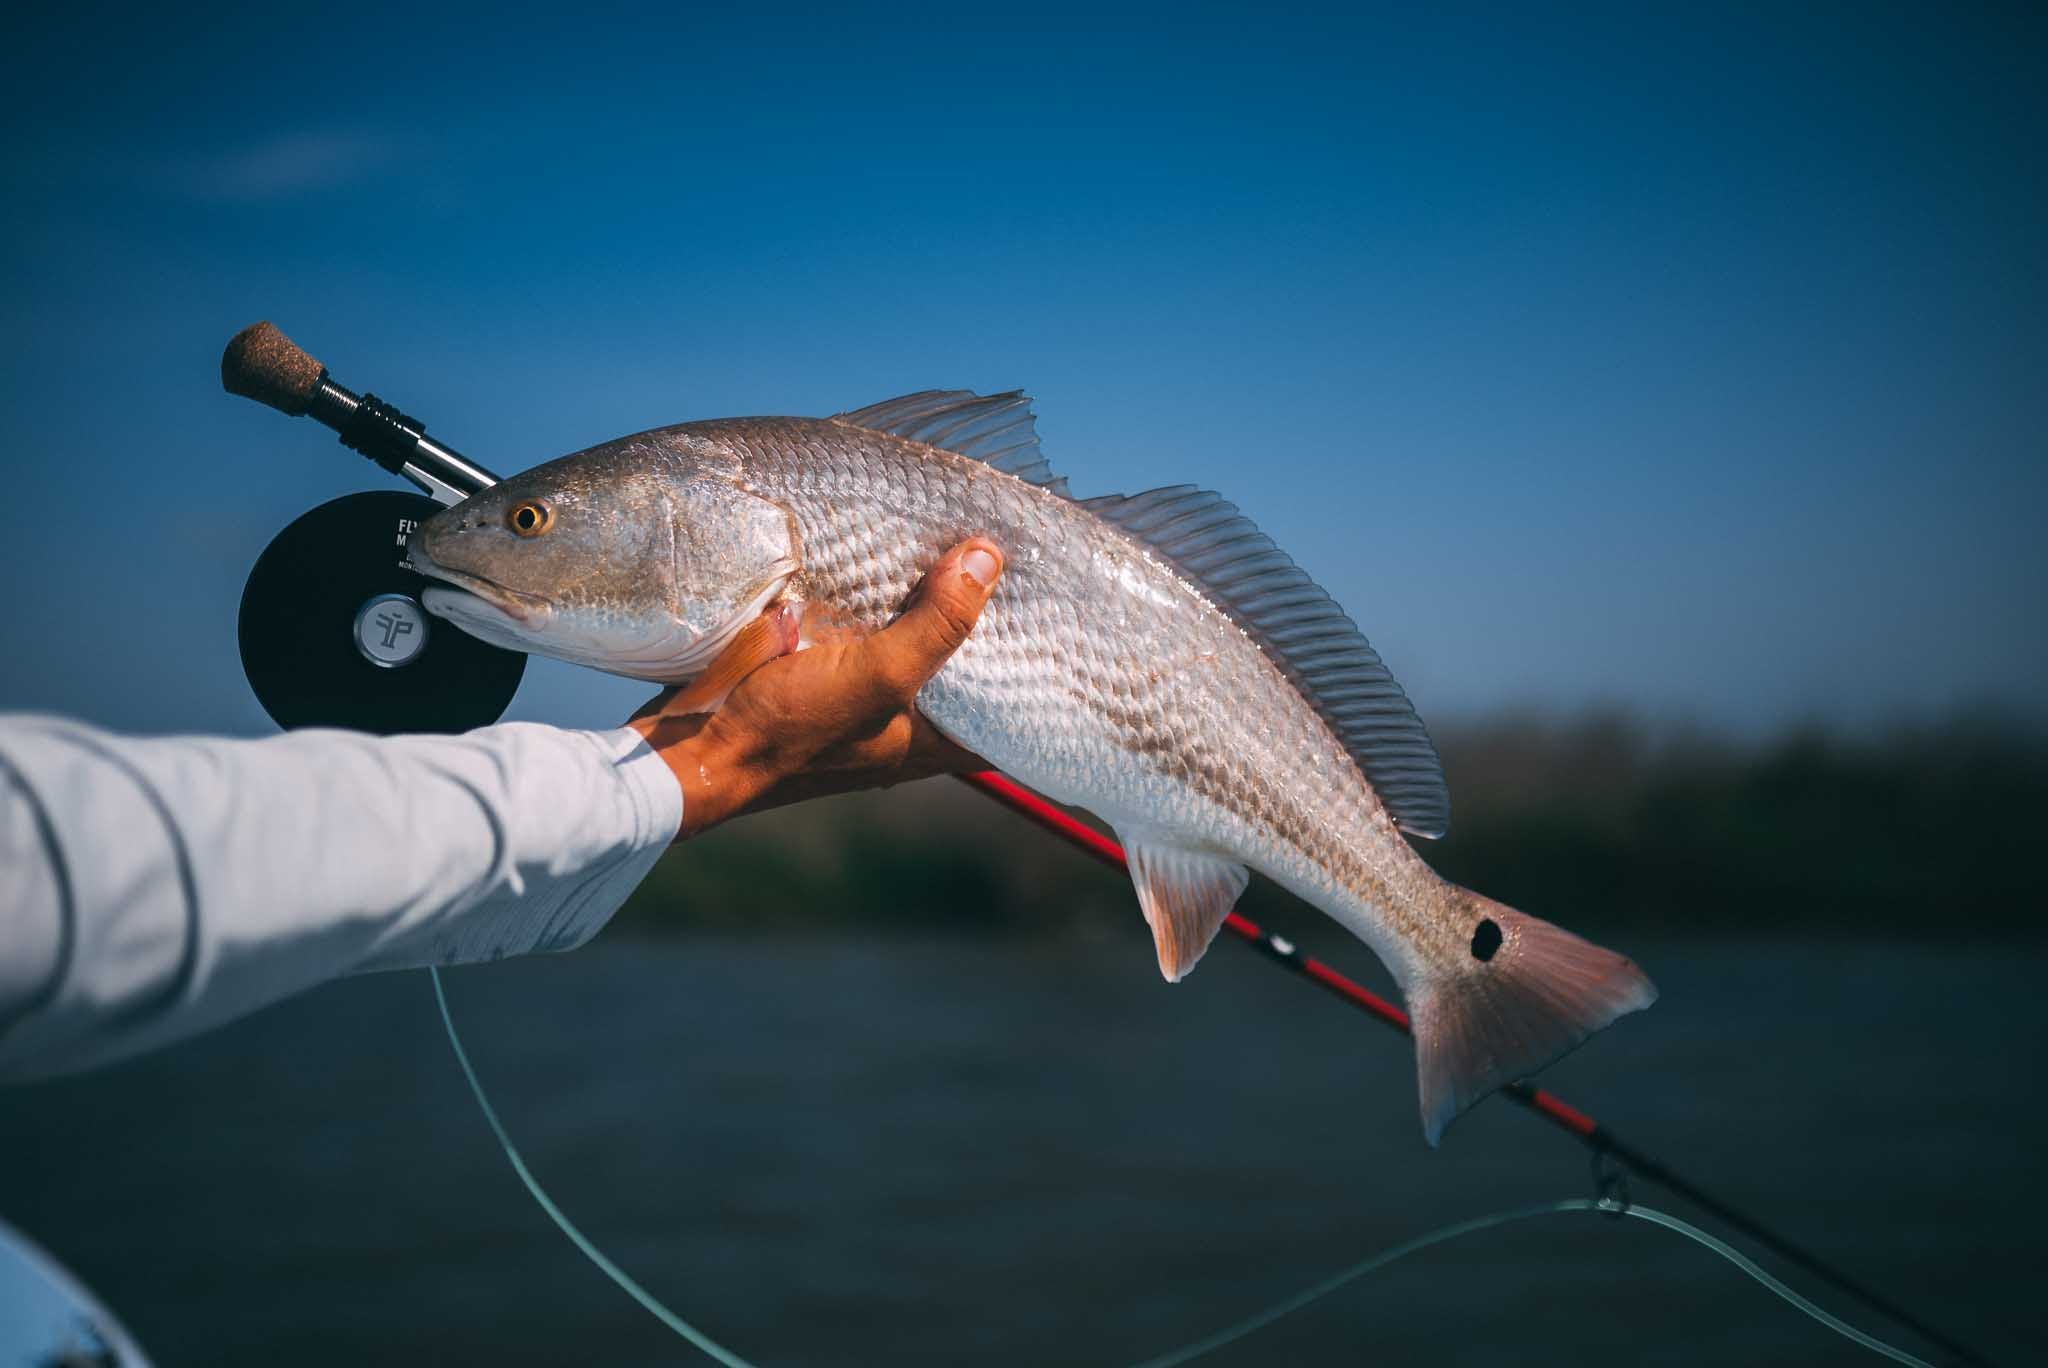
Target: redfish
1153, 658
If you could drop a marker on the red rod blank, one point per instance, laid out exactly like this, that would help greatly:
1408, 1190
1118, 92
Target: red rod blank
1017, 798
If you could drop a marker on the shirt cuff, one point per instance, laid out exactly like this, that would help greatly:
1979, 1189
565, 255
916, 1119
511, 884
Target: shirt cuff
569, 914
653, 784
579, 830
656, 800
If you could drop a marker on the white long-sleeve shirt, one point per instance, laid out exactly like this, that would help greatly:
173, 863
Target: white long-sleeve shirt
153, 888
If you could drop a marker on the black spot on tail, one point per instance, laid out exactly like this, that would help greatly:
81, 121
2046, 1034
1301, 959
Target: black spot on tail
1485, 940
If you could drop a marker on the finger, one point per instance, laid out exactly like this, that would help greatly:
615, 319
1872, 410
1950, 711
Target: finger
911, 649
903, 748
932, 752
853, 772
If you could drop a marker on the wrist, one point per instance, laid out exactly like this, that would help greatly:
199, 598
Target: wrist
713, 776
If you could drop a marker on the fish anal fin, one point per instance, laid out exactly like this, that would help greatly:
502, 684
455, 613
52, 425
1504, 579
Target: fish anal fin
1185, 896
774, 633
1530, 993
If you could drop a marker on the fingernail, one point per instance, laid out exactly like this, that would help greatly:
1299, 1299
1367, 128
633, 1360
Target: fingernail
980, 567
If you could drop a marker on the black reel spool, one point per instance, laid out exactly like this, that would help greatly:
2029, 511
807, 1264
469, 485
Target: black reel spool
333, 633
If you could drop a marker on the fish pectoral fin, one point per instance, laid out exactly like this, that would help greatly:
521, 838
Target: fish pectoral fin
1185, 896
772, 634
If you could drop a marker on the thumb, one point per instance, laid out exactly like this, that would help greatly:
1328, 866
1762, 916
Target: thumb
911, 649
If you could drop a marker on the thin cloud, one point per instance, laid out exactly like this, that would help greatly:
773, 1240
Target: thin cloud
285, 167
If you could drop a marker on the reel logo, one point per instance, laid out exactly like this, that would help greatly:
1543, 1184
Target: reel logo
394, 627
391, 630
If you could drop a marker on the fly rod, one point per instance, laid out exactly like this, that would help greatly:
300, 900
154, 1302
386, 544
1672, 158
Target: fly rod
261, 363
1602, 1143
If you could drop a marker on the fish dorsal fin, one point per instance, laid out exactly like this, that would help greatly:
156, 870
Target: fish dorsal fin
995, 429
1201, 534
1185, 896
1303, 631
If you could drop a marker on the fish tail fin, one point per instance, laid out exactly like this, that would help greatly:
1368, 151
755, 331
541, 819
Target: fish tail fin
1527, 993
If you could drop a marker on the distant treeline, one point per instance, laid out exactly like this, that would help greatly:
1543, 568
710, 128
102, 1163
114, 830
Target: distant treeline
1597, 822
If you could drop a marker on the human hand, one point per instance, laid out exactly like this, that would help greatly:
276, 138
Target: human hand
833, 718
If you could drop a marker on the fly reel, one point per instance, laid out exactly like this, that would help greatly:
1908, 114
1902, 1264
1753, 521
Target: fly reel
333, 634
332, 629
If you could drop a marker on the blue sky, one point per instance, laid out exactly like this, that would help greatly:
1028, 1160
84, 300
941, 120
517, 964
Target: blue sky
1589, 356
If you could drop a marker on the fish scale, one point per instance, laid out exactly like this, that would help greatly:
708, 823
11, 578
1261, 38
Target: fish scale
1207, 750
1155, 660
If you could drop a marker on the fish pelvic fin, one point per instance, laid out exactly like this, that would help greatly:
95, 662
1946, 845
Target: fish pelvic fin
1527, 994
1185, 896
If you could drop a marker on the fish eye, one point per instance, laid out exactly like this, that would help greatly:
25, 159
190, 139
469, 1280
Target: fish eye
530, 519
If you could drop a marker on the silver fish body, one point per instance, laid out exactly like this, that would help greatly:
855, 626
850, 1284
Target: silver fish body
1101, 677
1104, 673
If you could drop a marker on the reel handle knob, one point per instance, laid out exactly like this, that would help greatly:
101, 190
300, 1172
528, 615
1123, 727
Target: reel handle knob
261, 363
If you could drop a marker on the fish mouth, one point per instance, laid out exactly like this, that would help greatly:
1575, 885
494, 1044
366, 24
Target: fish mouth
527, 610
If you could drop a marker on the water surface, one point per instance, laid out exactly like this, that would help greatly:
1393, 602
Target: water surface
842, 1151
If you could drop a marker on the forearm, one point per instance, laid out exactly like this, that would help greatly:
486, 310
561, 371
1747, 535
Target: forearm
153, 888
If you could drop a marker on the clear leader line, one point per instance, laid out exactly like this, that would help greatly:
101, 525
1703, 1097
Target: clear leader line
1602, 1143
262, 364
